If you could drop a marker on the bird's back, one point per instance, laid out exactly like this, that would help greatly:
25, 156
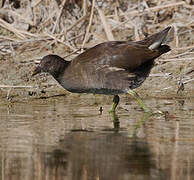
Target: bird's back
125, 54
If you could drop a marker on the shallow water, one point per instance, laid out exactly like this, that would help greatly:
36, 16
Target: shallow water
67, 138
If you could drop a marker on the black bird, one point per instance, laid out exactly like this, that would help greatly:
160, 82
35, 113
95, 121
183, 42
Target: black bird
112, 67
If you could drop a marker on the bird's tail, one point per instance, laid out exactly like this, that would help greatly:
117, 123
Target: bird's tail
159, 40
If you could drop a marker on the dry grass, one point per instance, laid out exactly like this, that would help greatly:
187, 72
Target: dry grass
76, 23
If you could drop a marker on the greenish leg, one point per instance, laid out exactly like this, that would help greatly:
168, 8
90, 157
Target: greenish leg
116, 122
112, 112
144, 118
115, 103
138, 99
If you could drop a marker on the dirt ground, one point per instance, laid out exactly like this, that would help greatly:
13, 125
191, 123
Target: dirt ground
172, 72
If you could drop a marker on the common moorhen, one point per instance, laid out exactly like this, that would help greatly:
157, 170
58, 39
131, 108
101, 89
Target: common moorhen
112, 67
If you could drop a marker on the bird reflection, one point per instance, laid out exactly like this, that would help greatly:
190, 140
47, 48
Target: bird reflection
89, 155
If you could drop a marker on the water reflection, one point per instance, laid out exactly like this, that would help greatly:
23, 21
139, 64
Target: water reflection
99, 156
65, 139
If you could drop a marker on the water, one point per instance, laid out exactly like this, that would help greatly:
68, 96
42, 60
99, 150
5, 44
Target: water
67, 138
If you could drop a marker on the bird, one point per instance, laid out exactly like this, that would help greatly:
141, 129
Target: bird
110, 68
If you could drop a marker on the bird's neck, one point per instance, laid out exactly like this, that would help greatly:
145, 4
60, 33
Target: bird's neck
61, 67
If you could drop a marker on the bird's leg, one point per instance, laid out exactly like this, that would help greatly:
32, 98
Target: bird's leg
115, 103
144, 118
138, 99
116, 122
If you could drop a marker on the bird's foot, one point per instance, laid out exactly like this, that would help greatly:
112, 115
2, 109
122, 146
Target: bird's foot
146, 109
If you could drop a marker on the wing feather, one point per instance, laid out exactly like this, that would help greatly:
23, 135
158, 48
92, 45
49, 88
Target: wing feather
120, 54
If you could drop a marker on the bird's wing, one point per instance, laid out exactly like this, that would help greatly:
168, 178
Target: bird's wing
113, 78
118, 54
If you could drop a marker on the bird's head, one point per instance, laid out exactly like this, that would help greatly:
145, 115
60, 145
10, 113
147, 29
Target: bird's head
51, 64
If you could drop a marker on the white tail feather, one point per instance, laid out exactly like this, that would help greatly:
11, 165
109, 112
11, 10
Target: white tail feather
166, 38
